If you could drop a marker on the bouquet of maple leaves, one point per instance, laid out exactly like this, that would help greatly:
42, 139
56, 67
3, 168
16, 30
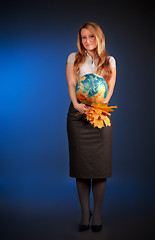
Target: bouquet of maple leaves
98, 114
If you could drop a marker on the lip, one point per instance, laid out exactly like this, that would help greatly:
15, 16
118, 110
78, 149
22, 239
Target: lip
87, 45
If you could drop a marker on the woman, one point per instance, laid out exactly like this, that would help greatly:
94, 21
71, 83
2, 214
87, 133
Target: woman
90, 149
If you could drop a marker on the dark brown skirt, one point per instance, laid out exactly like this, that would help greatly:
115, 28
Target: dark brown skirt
90, 149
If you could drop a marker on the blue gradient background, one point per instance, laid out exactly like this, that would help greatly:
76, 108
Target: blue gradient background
36, 193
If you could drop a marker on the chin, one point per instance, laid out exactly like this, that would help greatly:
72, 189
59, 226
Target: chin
90, 48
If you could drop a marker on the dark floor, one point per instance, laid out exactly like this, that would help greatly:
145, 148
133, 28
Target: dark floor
127, 214
46, 226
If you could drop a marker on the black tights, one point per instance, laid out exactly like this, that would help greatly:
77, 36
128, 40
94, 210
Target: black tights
98, 189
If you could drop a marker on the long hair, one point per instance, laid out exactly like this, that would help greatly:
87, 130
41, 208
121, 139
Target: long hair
103, 67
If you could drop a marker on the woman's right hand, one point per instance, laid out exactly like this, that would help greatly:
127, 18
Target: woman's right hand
81, 107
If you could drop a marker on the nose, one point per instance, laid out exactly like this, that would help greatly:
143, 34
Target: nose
87, 39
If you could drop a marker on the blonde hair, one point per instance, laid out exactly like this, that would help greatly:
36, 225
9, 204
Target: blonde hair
103, 67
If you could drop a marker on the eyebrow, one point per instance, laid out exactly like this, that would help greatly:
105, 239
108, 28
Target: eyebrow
88, 35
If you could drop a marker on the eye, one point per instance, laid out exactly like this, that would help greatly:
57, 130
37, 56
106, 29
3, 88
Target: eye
92, 36
83, 37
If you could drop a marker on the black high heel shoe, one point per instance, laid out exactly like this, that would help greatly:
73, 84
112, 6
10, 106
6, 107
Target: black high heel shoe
96, 228
83, 227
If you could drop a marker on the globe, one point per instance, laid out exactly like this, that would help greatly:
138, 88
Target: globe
91, 88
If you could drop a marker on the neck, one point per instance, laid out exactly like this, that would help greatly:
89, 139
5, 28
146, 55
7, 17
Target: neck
92, 53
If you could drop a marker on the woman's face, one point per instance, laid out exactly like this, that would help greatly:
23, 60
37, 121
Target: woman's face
88, 40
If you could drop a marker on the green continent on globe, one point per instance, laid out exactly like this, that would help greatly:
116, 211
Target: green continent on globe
91, 88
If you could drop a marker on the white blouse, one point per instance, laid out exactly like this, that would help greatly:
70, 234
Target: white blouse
90, 64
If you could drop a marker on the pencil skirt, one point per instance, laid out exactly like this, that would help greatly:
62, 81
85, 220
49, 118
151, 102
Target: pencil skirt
90, 148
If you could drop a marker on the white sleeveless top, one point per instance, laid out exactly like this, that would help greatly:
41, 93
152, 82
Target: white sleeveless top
90, 64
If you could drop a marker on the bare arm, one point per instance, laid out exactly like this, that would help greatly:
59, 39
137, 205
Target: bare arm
111, 85
71, 88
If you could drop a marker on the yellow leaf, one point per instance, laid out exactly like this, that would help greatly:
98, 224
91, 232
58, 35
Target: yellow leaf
105, 113
98, 111
96, 116
102, 117
89, 118
92, 121
107, 121
91, 111
103, 106
98, 123
113, 106
100, 105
